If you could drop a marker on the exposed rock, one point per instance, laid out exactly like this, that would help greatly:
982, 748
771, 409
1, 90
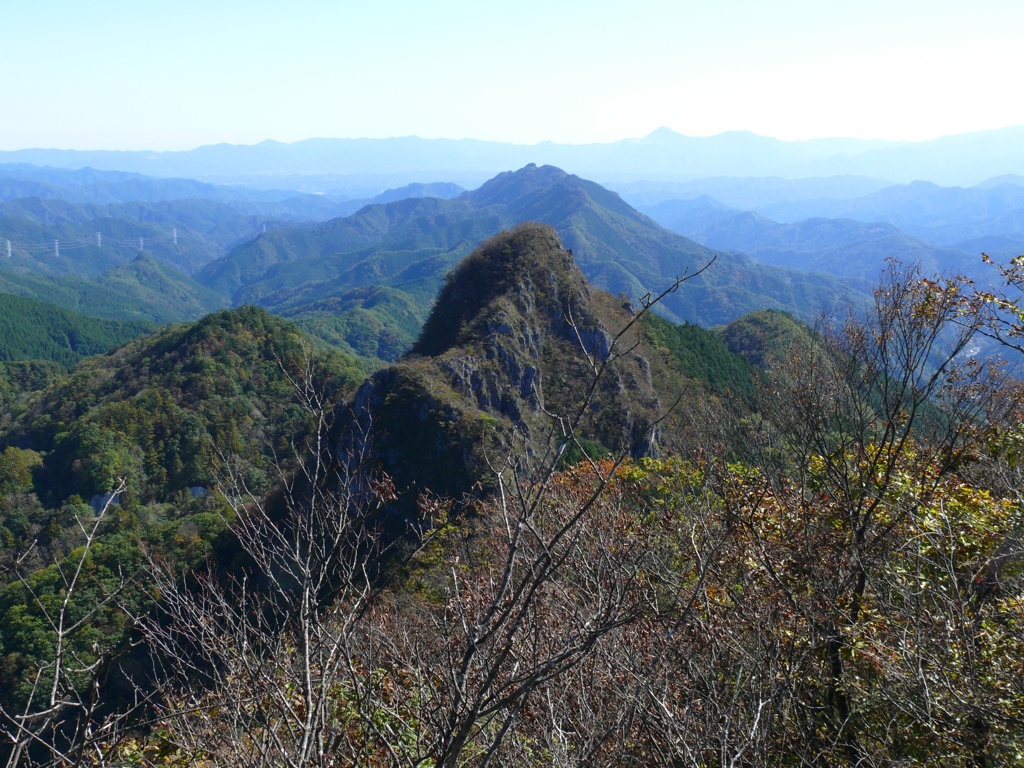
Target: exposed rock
101, 500
508, 356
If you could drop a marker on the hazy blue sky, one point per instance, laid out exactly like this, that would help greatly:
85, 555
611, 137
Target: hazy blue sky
150, 74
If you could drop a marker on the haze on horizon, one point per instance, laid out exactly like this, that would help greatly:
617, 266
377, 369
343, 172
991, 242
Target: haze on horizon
114, 74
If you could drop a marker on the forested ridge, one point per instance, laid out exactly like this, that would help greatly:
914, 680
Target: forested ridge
34, 330
563, 531
149, 423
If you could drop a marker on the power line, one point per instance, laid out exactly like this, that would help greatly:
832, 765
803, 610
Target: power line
97, 241
57, 245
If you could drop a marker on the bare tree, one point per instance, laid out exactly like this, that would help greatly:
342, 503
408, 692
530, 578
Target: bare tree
63, 719
869, 422
309, 661
546, 581
256, 662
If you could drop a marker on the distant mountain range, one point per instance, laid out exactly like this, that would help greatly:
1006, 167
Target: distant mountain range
322, 165
837, 246
749, 193
942, 228
921, 208
88, 186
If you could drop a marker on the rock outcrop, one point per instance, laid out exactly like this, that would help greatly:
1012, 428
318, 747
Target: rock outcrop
518, 354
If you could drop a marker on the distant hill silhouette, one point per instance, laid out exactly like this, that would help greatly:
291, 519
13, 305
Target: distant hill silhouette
663, 154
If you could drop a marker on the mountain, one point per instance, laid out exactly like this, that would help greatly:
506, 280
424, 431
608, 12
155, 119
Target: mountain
53, 236
75, 229
999, 247
334, 203
440, 189
945, 215
109, 187
91, 187
960, 160
375, 322
748, 193
506, 362
998, 181
186, 233
163, 413
409, 246
87, 258
762, 338
322, 164
690, 217
840, 247
662, 154
165, 295
165, 404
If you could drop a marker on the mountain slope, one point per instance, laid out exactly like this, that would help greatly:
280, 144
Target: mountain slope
35, 330
177, 416
161, 407
506, 363
920, 208
143, 289
186, 233
409, 245
163, 293
838, 246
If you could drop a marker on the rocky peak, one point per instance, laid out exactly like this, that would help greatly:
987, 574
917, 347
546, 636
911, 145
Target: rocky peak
525, 272
509, 347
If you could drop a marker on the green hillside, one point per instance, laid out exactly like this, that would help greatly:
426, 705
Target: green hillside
35, 330
174, 415
410, 245
143, 289
161, 292
764, 337
187, 234
173, 400
703, 355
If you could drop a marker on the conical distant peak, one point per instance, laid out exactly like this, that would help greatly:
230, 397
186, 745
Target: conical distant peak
513, 185
663, 134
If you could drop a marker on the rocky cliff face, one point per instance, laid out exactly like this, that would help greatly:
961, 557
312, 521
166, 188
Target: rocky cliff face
518, 354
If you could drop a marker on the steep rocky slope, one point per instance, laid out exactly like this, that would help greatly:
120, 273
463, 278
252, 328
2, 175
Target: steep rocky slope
520, 360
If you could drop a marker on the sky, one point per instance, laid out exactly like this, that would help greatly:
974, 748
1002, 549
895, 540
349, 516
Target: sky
151, 74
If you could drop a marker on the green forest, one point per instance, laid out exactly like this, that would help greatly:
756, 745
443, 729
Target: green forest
34, 330
562, 531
